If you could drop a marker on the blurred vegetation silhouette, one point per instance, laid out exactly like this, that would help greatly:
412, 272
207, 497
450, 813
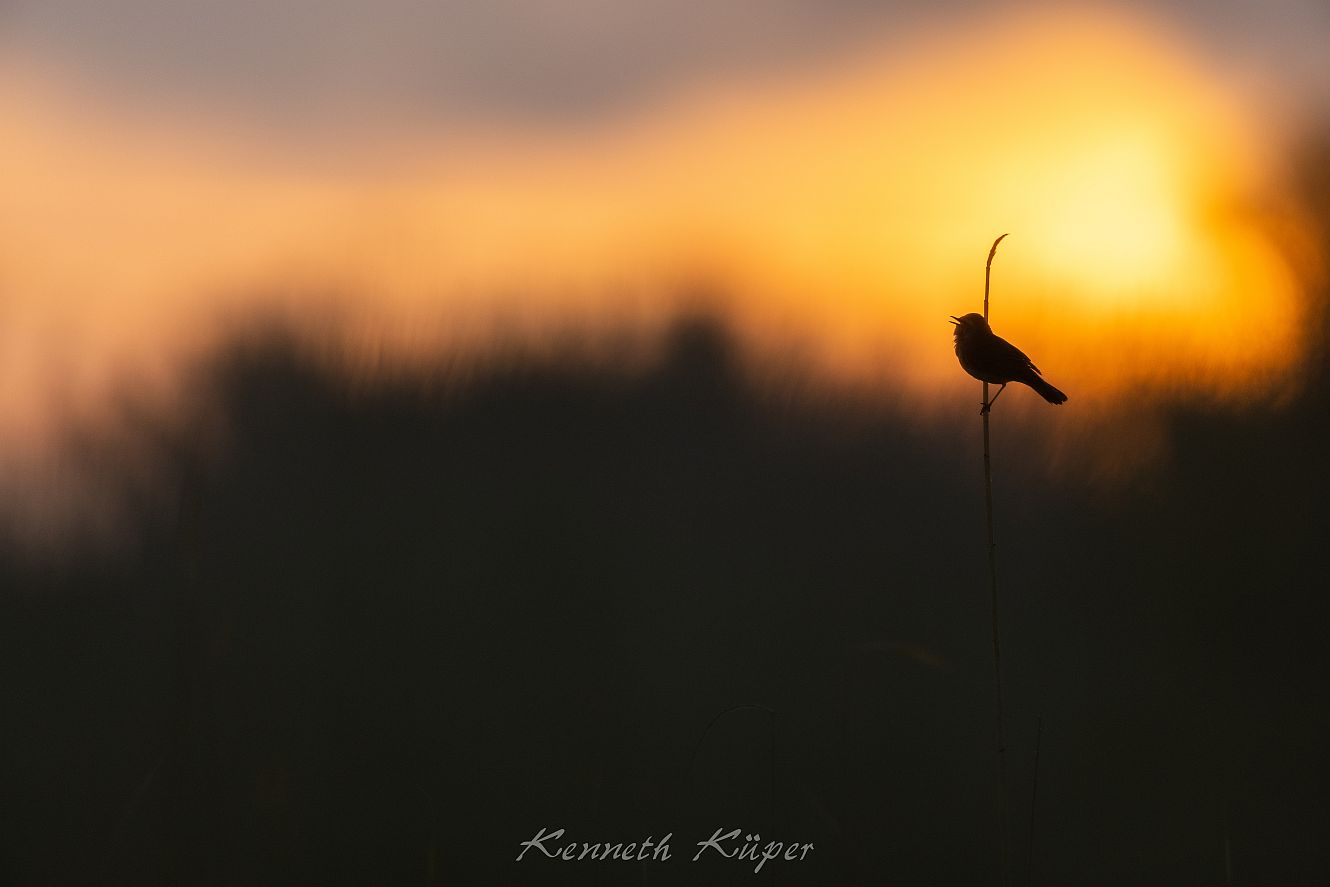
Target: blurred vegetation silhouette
385, 634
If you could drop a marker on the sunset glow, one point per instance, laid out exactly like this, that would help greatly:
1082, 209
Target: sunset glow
439, 436
846, 209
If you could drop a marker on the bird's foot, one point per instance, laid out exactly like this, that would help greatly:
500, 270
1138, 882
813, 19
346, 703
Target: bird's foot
983, 409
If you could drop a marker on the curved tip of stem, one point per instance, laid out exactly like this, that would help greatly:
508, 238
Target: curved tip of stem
988, 267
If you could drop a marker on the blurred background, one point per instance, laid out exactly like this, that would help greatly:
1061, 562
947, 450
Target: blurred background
420, 421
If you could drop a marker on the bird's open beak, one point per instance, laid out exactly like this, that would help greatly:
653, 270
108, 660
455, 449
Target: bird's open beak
955, 319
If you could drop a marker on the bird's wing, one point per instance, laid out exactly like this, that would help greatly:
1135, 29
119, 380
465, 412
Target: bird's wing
1015, 355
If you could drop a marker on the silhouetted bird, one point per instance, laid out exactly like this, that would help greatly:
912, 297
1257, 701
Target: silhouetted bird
991, 358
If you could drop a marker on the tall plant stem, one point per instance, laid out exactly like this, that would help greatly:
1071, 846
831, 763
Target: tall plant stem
993, 586
1034, 799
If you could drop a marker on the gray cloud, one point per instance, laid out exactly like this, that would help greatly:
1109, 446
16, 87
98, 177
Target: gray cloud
528, 59
502, 57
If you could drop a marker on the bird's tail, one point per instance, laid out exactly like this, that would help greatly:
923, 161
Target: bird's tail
1047, 391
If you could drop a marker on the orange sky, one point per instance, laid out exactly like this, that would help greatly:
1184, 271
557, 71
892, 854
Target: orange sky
848, 208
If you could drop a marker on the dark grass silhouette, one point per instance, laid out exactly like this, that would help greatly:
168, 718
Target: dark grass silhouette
387, 636
397, 632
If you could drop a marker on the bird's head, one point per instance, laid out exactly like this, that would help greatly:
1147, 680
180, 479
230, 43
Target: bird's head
970, 325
